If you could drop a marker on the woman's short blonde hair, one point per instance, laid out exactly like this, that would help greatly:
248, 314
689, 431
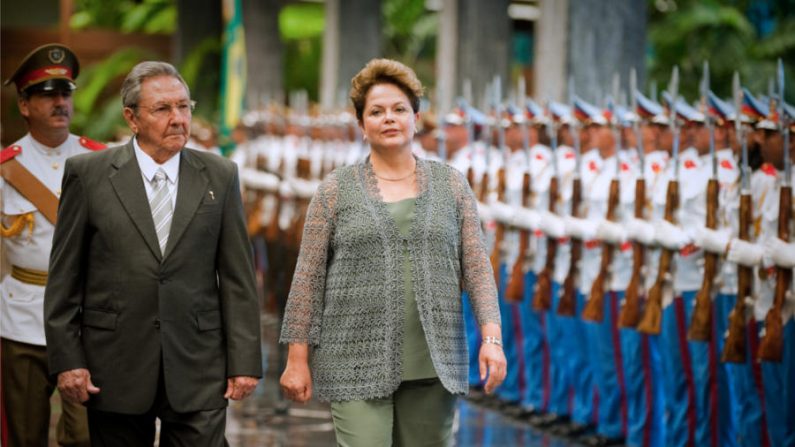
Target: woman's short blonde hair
385, 71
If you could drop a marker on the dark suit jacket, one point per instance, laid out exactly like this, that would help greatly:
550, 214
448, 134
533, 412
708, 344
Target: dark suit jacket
114, 305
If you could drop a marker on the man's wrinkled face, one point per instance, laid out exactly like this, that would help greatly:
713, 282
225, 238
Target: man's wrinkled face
161, 119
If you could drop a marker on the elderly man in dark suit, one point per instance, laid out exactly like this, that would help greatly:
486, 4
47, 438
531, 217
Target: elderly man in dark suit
150, 307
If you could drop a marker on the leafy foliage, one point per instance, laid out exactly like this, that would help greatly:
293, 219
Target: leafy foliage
729, 36
410, 35
147, 16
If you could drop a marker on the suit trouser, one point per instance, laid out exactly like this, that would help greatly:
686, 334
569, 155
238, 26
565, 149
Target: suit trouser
608, 369
509, 390
642, 374
579, 365
748, 422
199, 428
419, 412
535, 351
778, 380
26, 389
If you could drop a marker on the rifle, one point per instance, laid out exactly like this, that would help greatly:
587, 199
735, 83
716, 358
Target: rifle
594, 309
734, 349
701, 322
771, 344
542, 298
630, 311
567, 306
652, 317
499, 233
515, 290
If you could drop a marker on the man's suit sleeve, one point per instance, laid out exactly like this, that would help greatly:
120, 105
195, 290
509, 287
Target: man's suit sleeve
239, 302
63, 296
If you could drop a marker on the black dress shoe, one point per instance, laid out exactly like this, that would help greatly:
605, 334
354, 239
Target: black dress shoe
548, 420
572, 430
528, 413
597, 440
511, 408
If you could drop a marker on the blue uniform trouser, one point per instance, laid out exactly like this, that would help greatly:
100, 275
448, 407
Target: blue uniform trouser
779, 390
608, 371
578, 365
509, 390
642, 373
535, 352
560, 381
748, 424
689, 378
472, 339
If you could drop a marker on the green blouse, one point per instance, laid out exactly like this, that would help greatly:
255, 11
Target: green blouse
415, 355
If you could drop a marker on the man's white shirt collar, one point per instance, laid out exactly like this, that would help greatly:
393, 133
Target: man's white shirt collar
149, 167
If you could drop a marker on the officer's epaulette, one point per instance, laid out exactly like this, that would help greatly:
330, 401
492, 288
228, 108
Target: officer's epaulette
10, 152
92, 145
769, 169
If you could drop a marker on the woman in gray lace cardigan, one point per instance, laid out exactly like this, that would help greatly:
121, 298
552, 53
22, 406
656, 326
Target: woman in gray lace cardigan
388, 245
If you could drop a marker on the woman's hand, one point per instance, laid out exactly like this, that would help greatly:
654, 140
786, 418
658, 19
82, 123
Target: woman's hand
296, 380
492, 365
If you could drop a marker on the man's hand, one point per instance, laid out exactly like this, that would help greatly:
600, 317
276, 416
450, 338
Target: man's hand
240, 387
296, 381
75, 385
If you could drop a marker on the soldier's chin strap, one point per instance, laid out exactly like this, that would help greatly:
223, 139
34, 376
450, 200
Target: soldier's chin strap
31, 188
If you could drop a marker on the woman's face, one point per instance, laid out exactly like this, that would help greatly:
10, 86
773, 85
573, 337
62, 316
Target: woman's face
388, 121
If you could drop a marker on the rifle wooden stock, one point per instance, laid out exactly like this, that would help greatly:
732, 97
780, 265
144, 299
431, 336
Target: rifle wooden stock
701, 322
652, 316
735, 347
272, 231
296, 232
567, 306
630, 311
499, 233
594, 309
542, 298
515, 290
772, 344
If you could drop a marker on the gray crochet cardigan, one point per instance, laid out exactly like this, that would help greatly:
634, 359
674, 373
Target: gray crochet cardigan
346, 299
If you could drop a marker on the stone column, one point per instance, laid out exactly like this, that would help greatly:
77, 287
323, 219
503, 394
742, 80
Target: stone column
484, 43
447, 55
351, 38
198, 20
264, 51
551, 50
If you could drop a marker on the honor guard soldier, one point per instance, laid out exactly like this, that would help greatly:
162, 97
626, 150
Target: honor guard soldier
31, 180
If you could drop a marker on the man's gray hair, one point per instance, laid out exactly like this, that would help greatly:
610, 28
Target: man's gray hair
131, 87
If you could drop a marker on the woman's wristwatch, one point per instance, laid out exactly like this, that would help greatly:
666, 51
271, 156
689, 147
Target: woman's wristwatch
493, 340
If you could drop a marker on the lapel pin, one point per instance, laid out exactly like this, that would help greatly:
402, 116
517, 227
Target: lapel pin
212, 195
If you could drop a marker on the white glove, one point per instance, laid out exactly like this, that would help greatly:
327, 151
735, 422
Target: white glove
713, 241
551, 224
782, 253
669, 235
610, 232
304, 189
583, 229
527, 219
640, 230
484, 212
502, 212
745, 253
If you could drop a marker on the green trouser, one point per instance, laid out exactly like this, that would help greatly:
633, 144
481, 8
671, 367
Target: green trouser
26, 390
419, 413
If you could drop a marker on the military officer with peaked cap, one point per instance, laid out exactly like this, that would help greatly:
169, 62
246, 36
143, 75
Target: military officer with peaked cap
31, 179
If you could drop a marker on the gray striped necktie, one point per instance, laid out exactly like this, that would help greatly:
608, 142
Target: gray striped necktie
161, 206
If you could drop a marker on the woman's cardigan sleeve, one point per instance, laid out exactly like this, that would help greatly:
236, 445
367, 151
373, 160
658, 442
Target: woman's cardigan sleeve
305, 302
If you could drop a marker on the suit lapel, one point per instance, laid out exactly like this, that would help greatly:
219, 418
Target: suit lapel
128, 183
191, 189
